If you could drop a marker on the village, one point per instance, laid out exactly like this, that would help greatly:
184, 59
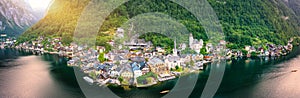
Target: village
141, 64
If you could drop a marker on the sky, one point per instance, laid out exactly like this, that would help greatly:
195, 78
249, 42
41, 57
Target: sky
39, 4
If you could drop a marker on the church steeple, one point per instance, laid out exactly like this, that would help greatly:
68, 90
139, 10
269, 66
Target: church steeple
175, 49
191, 40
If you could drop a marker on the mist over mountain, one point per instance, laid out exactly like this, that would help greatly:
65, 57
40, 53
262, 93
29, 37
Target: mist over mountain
16, 16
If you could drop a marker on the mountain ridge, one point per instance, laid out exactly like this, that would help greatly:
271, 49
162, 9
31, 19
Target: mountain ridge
15, 17
252, 22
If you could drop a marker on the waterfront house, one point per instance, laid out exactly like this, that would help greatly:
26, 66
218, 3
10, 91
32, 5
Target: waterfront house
114, 74
137, 73
172, 61
267, 53
127, 74
157, 66
247, 48
145, 70
252, 49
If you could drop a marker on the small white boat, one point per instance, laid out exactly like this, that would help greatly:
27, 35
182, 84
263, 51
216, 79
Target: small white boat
165, 91
88, 79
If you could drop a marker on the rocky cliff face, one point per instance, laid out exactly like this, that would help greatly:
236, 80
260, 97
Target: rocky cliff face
15, 17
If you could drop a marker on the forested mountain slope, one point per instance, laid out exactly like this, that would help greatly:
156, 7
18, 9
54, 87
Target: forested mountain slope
245, 22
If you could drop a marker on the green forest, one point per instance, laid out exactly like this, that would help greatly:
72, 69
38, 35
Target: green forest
250, 22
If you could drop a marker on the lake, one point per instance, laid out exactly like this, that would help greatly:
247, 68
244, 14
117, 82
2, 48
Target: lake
25, 75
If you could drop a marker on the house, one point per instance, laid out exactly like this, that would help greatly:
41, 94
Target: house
137, 73
267, 53
184, 59
157, 66
261, 50
252, 49
182, 46
209, 47
137, 43
172, 61
159, 49
247, 48
148, 54
145, 70
126, 72
138, 59
100, 49
114, 74
120, 59
222, 42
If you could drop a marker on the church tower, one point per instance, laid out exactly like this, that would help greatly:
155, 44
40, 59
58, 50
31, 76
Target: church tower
175, 49
191, 40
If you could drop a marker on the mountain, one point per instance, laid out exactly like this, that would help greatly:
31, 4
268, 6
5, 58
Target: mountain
15, 17
294, 5
250, 22
60, 20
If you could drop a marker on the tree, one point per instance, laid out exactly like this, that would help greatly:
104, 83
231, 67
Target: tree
101, 57
93, 75
120, 79
253, 54
192, 63
177, 67
188, 51
245, 52
203, 51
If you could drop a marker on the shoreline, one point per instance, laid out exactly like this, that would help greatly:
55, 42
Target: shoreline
147, 85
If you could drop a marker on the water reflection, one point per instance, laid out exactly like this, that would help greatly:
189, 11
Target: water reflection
28, 76
262, 78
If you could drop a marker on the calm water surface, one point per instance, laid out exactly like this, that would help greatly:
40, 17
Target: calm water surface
24, 75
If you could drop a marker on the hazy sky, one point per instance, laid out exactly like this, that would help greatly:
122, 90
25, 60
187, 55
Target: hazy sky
39, 4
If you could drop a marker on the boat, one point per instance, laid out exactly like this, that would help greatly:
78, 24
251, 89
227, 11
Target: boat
165, 91
294, 70
88, 79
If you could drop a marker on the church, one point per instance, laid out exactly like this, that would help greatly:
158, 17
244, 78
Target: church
194, 44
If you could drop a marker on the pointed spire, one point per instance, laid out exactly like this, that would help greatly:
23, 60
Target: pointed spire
175, 49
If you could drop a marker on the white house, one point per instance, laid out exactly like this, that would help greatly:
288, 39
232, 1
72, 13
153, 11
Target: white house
114, 73
172, 61
209, 47
137, 73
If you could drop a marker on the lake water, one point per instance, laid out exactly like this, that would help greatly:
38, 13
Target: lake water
24, 75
